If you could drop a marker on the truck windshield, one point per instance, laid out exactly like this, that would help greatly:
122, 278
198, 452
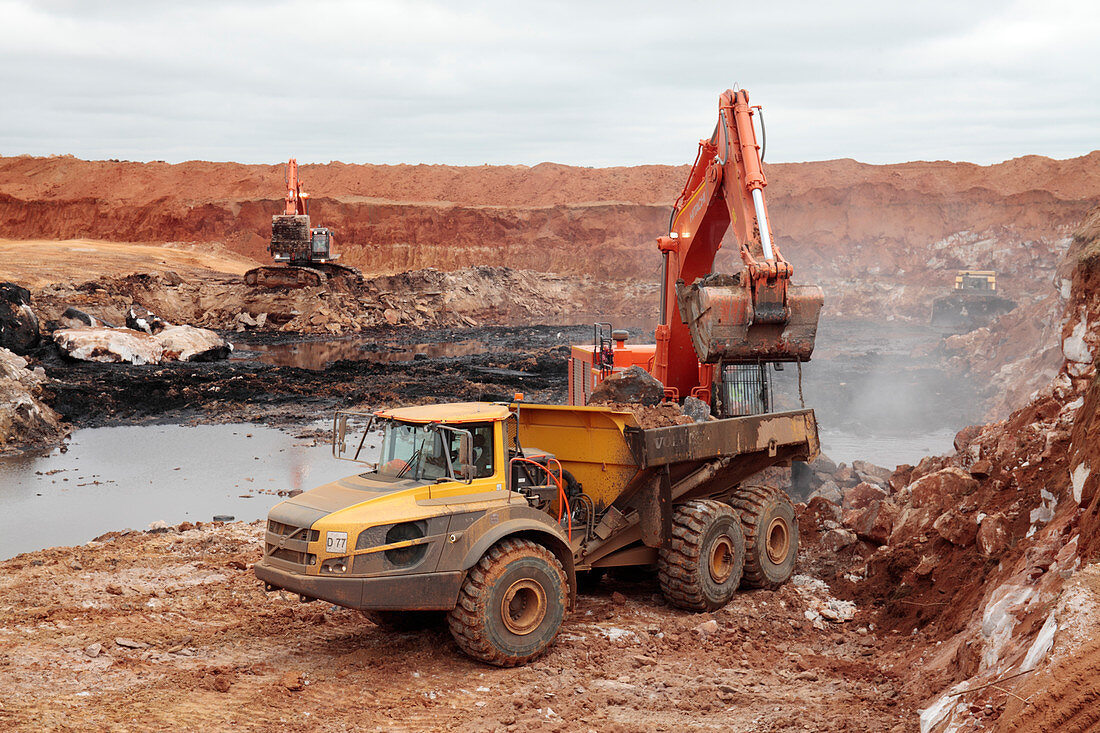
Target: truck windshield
418, 452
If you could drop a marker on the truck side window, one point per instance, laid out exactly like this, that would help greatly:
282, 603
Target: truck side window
483, 450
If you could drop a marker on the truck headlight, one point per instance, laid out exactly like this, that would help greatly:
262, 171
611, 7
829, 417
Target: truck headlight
335, 565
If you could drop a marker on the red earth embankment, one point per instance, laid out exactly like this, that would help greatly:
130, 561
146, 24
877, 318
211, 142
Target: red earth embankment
988, 557
881, 239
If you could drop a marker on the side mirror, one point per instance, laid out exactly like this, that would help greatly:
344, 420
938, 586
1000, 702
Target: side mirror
339, 435
340, 431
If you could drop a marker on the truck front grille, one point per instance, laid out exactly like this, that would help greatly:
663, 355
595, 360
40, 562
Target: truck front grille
298, 558
286, 530
280, 534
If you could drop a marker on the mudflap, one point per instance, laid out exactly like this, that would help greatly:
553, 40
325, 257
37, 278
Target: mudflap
725, 326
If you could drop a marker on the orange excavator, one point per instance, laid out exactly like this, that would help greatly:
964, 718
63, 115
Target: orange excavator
306, 252
716, 333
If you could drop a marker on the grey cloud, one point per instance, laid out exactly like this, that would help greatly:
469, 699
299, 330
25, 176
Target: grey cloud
584, 83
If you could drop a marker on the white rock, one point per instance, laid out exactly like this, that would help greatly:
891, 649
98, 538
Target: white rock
707, 627
185, 343
110, 345
1042, 644
1074, 346
1078, 477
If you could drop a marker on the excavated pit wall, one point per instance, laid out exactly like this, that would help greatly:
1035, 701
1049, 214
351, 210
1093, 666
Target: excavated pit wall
986, 557
882, 240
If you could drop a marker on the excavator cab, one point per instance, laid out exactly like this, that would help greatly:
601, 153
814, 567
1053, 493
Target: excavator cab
321, 241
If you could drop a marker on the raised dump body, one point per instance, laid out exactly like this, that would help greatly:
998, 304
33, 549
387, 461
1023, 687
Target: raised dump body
487, 512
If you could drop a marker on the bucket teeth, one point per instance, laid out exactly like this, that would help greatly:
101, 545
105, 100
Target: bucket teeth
726, 326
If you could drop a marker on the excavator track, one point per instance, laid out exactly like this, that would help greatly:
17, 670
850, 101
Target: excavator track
339, 273
287, 277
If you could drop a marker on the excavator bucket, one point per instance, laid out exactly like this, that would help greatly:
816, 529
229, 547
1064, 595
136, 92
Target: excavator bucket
726, 327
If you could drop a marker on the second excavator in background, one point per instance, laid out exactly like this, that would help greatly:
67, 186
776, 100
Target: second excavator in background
716, 333
306, 253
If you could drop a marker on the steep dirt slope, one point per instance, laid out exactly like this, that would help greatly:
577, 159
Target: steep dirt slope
986, 557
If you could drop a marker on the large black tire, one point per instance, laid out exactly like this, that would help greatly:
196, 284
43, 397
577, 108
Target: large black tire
700, 569
771, 535
511, 605
407, 620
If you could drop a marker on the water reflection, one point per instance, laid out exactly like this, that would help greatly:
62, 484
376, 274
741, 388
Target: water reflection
127, 477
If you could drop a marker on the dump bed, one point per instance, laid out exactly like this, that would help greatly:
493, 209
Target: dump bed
612, 457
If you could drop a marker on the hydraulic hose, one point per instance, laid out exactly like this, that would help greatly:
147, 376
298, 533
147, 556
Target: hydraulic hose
763, 135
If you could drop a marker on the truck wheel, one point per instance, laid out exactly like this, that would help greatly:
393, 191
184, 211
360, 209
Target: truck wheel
771, 535
406, 620
511, 605
700, 569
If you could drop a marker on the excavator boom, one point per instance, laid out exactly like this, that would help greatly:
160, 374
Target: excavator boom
714, 329
753, 316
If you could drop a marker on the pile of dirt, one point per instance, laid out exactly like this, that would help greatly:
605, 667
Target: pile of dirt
423, 299
663, 415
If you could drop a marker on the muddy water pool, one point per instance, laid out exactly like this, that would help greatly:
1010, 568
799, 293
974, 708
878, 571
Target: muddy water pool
128, 477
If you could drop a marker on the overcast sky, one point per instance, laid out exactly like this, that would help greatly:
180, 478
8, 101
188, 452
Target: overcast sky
583, 83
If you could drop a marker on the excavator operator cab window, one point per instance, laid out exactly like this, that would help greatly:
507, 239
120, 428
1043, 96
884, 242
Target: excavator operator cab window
320, 242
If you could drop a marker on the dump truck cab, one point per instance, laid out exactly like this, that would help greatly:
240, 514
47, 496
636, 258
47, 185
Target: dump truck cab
459, 512
357, 541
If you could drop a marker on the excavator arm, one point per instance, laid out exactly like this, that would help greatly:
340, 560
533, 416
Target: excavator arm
755, 315
296, 199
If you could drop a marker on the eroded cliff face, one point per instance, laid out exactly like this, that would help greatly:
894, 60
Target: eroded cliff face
882, 240
988, 557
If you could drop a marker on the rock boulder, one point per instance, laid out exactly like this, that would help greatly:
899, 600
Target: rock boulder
140, 318
956, 527
836, 540
18, 322
924, 500
861, 495
874, 522
863, 468
830, 492
109, 345
630, 386
24, 419
993, 535
187, 343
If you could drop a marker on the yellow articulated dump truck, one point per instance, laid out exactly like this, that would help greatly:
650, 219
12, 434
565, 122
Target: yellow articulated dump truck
485, 513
